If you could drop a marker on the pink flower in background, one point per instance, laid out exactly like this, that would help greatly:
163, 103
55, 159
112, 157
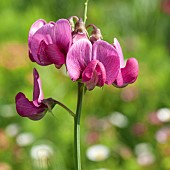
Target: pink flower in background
128, 72
165, 6
49, 42
96, 64
35, 109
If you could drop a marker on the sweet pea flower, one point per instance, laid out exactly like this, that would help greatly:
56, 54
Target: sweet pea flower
96, 64
37, 108
49, 42
128, 72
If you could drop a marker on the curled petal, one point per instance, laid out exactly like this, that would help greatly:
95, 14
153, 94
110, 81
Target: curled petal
94, 74
78, 58
26, 108
119, 80
130, 71
35, 26
38, 95
119, 51
42, 54
30, 56
62, 35
47, 29
37, 49
107, 55
55, 55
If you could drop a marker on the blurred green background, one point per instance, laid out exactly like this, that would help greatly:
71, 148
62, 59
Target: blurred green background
133, 123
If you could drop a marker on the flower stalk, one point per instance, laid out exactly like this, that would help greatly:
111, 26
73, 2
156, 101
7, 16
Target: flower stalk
66, 108
77, 127
85, 11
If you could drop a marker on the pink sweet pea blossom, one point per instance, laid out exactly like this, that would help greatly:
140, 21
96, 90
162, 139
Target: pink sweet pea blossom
128, 72
49, 42
37, 108
96, 64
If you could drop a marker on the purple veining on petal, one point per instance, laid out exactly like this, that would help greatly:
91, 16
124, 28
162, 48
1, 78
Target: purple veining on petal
78, 57
107, 55
119, 51
35, 26
55, 55
62, 35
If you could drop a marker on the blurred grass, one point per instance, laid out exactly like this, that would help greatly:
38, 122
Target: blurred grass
143, 31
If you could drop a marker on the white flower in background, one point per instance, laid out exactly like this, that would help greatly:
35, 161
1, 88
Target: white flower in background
41, 155
12, 129
25, 139
118, 119
144, 154
97, 153
163, 114
145, 159
163, 135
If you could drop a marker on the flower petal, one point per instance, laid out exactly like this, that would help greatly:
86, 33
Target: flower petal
78, 57
78, 36
38, 95
47, 29
35, 26
55, 55
38, 46
26, 108
107, 55
119, 51
42, 54
130, 71
94, 74
62, 35
119, 80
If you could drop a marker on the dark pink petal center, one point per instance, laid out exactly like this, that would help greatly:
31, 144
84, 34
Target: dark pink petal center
94, 74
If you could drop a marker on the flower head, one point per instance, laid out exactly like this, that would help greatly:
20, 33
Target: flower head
49, 42
37, 108
128, 72
96, 64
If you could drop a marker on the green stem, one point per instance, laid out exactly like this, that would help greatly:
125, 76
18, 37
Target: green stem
65, 107
85, 11
77, 127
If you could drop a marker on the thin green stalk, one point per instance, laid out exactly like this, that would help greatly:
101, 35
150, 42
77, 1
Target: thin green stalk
85, 11
77, 127
66, 108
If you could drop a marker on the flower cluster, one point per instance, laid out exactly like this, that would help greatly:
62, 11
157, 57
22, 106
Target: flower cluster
88, 59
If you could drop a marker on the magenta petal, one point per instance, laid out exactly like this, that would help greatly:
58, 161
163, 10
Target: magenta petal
31, 57
42, 54
55, 55
119, 51
119, 80
47, 29
94, 74
107, 55
35, 26
101, 72
37, 47
38, 95
130, 71
88, 72
79, 36
26, 108
62, 35
78, 58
